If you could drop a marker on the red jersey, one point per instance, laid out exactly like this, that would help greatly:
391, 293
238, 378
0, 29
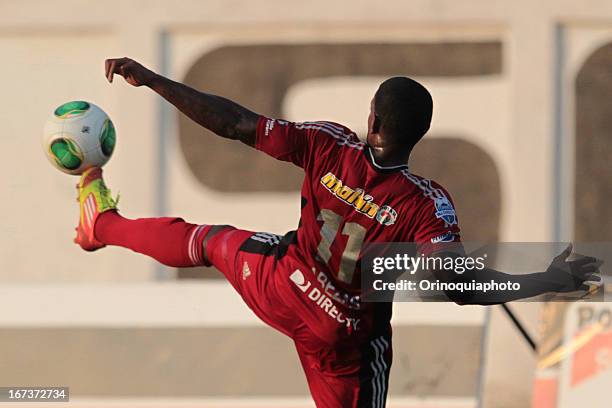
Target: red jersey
307, 284
349, 200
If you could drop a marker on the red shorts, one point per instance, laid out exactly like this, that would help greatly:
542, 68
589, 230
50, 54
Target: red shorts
344, 347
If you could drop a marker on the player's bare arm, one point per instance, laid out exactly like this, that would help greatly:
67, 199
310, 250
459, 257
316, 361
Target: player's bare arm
220, 115
561, 276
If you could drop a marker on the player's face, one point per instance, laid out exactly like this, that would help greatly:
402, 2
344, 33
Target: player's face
370, 137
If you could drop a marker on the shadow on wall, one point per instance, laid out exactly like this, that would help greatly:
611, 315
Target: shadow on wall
593, 182
265, 74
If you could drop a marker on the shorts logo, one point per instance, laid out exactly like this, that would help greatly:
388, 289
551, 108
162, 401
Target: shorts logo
446, 237
358, 199
445, 211
323, 301
386, 215
297, 277
246, 271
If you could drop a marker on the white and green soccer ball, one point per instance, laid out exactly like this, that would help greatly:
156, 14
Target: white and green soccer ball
78, 135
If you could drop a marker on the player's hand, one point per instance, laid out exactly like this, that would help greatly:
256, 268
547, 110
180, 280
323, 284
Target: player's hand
571, 275
134, 73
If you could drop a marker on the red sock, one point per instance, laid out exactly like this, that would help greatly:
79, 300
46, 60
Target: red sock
170, 241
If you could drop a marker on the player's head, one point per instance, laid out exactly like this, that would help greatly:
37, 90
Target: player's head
400, 113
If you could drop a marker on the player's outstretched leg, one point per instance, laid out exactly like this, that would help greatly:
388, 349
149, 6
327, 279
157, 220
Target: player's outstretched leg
171, 241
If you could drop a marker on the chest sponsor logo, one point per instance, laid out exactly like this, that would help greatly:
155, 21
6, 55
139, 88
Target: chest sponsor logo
362, 202
321, 298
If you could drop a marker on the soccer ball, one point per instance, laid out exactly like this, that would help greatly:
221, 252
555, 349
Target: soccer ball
78, 136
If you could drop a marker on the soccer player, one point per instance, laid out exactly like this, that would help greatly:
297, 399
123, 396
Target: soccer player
306, 284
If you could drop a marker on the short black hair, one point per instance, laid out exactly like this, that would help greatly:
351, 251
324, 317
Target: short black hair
404, 107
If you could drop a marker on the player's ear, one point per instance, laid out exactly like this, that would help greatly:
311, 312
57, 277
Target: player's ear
376, 124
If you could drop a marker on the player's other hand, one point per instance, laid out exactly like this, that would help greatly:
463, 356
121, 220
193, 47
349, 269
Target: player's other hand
571, 275
134, 73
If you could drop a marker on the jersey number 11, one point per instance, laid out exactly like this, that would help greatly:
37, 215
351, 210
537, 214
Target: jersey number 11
356, 234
